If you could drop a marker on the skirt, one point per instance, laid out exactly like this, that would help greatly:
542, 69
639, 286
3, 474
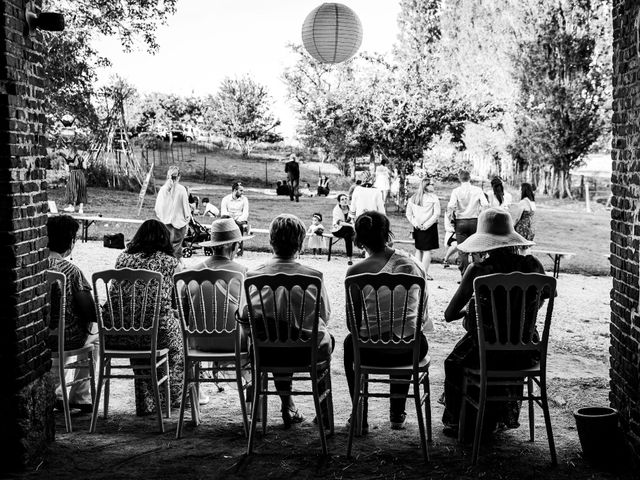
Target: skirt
426, 239
76, 192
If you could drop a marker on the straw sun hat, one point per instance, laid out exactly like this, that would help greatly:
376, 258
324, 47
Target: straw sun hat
495, 230
223, 231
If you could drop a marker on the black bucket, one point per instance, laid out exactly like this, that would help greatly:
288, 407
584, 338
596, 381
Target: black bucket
599, 433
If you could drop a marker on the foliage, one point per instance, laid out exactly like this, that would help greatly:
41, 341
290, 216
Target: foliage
241, 111
563, 75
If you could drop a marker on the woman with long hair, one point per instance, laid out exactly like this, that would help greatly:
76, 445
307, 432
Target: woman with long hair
373, 234
498, 197
342, 225
526, 208
383, 183
423, 211
151, 249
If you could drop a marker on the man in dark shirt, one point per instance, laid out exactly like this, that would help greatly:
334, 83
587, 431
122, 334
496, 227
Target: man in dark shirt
292, 169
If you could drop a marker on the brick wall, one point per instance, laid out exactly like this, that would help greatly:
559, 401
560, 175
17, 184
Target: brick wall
26, 394
625, 221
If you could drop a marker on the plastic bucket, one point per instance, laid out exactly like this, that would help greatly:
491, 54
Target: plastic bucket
598, 433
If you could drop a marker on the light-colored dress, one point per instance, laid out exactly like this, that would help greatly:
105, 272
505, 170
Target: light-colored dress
316, 241
382, 178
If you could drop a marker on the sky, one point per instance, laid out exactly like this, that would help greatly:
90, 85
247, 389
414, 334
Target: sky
208, 40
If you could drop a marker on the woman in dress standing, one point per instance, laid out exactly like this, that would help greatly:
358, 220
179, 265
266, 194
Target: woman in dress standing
497, 197
526, 208
382, 182
151, 249
423, 211
76, 191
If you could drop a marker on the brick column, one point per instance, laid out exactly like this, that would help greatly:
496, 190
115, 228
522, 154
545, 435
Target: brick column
625, 221
26, 394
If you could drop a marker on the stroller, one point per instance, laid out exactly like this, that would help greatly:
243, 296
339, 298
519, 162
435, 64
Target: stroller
196, 233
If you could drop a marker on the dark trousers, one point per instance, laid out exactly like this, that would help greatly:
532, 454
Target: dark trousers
389, 359
244, 229
294, 188
348, 233
465, 227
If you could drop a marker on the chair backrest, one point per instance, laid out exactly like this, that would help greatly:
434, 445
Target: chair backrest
385, 309
57, 282
284, 311
507, 307
208, 301
127, 303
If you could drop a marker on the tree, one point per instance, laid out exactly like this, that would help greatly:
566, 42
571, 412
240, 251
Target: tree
241, 111
563, 75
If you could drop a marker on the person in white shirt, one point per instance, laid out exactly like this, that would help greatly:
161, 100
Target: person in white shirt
365, 198
236, 206
172, 208
465, 204
497, 197
209, 208
423, 211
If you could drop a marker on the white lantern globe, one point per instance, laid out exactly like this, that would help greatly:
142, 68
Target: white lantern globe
332, 33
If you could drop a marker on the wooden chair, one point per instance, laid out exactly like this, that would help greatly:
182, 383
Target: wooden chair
278, 305
381, 309
57, 282
510, 328
132, 308
208, 301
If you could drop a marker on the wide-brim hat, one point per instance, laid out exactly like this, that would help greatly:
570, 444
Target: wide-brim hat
495, 230
223, 231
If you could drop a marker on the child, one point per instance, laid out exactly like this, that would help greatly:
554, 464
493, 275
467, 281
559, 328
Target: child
315, 231
306, 191
209, 208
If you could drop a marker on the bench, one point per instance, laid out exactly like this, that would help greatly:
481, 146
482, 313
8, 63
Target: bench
555, 256
87, 220
332, 239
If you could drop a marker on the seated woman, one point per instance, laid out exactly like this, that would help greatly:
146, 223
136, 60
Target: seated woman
495, 249
342, 226
80, 313
323, 186
286, 236
372, 234
151, 249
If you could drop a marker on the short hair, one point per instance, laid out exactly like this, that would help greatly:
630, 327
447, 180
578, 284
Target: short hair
286, 235
339, 197
205, 200
62, 231
152, 236
383, 161
373, 230
235, 186
464, 176
173, 171
318, 216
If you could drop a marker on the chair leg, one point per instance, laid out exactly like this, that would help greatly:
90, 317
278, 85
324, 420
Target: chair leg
316, 403
354, 411
96, 401
531, 413
183, 399
464, 404
547, 419
156, 392
257, 381
421, 428
479, 421
427, 406
65, 395
243, 405
107, 389
329, 401
263, 401
167, 387
364, 404
92, 375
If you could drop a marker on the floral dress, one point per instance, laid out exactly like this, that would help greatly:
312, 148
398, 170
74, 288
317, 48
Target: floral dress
525, 225
169, 332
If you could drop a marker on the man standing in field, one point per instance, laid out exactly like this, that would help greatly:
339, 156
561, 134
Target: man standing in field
173, 209
292, 169
236, 206
466, 203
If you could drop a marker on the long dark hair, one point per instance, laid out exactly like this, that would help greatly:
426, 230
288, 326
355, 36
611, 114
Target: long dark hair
373, 231
498, 189
526, 191
152, 236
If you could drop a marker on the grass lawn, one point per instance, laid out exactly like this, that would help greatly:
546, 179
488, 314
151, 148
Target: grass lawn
563, 227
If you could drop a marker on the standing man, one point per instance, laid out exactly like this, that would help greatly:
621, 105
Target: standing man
292, 169
236, 206
173, 209
465, 204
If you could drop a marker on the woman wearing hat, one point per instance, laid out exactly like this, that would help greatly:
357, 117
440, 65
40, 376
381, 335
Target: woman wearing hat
495, 248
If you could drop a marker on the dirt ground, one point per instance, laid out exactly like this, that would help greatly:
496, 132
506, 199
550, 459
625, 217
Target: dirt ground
126, 446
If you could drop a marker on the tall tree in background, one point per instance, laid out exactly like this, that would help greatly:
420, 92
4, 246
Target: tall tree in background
563, 74
241, 111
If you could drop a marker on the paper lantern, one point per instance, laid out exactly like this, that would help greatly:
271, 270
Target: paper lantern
332, 33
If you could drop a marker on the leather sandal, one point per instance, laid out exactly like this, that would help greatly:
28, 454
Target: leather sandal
291, 415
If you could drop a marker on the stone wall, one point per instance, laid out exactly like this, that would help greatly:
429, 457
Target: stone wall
625, 220
26, 395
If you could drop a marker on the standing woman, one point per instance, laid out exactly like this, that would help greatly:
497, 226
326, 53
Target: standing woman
342, 226
526, 208
382, 182
497, 197
423, 211
76, 192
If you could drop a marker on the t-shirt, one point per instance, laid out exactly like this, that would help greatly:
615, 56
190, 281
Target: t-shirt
236, 208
